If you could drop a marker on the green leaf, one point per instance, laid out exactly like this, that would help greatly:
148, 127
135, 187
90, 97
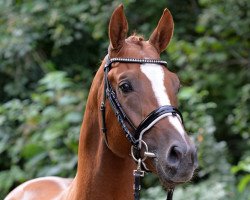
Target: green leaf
243, 183
31, 149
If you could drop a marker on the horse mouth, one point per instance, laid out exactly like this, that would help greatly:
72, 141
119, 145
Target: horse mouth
170, 177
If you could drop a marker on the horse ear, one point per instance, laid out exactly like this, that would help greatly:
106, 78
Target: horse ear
118, 28
163, 32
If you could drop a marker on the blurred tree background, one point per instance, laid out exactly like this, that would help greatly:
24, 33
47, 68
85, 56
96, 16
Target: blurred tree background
49, 51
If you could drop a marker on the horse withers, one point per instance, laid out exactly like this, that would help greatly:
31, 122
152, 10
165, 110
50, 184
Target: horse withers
140, 111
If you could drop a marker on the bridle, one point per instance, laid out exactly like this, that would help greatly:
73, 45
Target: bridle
134, 136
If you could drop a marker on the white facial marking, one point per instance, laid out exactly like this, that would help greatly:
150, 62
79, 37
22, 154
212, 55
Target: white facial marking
155, 74
178, 126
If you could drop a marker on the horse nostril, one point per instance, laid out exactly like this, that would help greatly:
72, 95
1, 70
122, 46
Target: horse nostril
174, 156
181, 155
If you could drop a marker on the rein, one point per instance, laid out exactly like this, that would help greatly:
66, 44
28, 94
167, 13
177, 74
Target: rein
134, 137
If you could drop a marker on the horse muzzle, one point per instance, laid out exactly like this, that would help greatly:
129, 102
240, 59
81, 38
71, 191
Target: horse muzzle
176, 165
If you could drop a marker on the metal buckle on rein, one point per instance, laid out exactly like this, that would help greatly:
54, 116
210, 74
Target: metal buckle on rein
139, 171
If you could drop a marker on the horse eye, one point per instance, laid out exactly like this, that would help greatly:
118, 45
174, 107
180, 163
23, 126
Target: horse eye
126, 87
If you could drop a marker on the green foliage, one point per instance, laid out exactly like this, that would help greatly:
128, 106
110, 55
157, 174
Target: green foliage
42, 131
49, 48
243, 166
200, 192
34, 34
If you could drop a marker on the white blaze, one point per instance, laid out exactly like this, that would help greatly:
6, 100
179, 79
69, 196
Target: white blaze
155, 74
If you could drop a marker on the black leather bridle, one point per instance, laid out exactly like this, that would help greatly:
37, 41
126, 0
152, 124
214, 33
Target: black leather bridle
134, 136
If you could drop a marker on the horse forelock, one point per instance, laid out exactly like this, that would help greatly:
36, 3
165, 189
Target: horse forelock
136, 39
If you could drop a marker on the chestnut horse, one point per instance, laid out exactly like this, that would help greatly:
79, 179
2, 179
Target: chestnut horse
138, 89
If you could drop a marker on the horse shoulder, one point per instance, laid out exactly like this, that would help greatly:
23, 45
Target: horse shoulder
46, 188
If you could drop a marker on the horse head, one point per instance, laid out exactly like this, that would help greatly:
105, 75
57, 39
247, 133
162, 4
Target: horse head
143, 87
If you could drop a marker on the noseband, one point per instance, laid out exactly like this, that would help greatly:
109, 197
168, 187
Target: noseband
134, 136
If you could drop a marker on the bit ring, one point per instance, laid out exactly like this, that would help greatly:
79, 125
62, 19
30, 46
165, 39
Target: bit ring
145, 155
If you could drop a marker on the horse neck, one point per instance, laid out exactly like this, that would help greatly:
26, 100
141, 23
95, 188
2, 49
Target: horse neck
100, 173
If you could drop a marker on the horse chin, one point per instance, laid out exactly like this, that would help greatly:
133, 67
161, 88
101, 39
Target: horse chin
169, 177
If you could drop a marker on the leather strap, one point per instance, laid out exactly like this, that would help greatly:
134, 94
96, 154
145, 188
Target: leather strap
170, 194
154, 117
137, 184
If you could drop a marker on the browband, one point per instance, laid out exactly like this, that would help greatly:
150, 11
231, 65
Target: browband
135, 60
